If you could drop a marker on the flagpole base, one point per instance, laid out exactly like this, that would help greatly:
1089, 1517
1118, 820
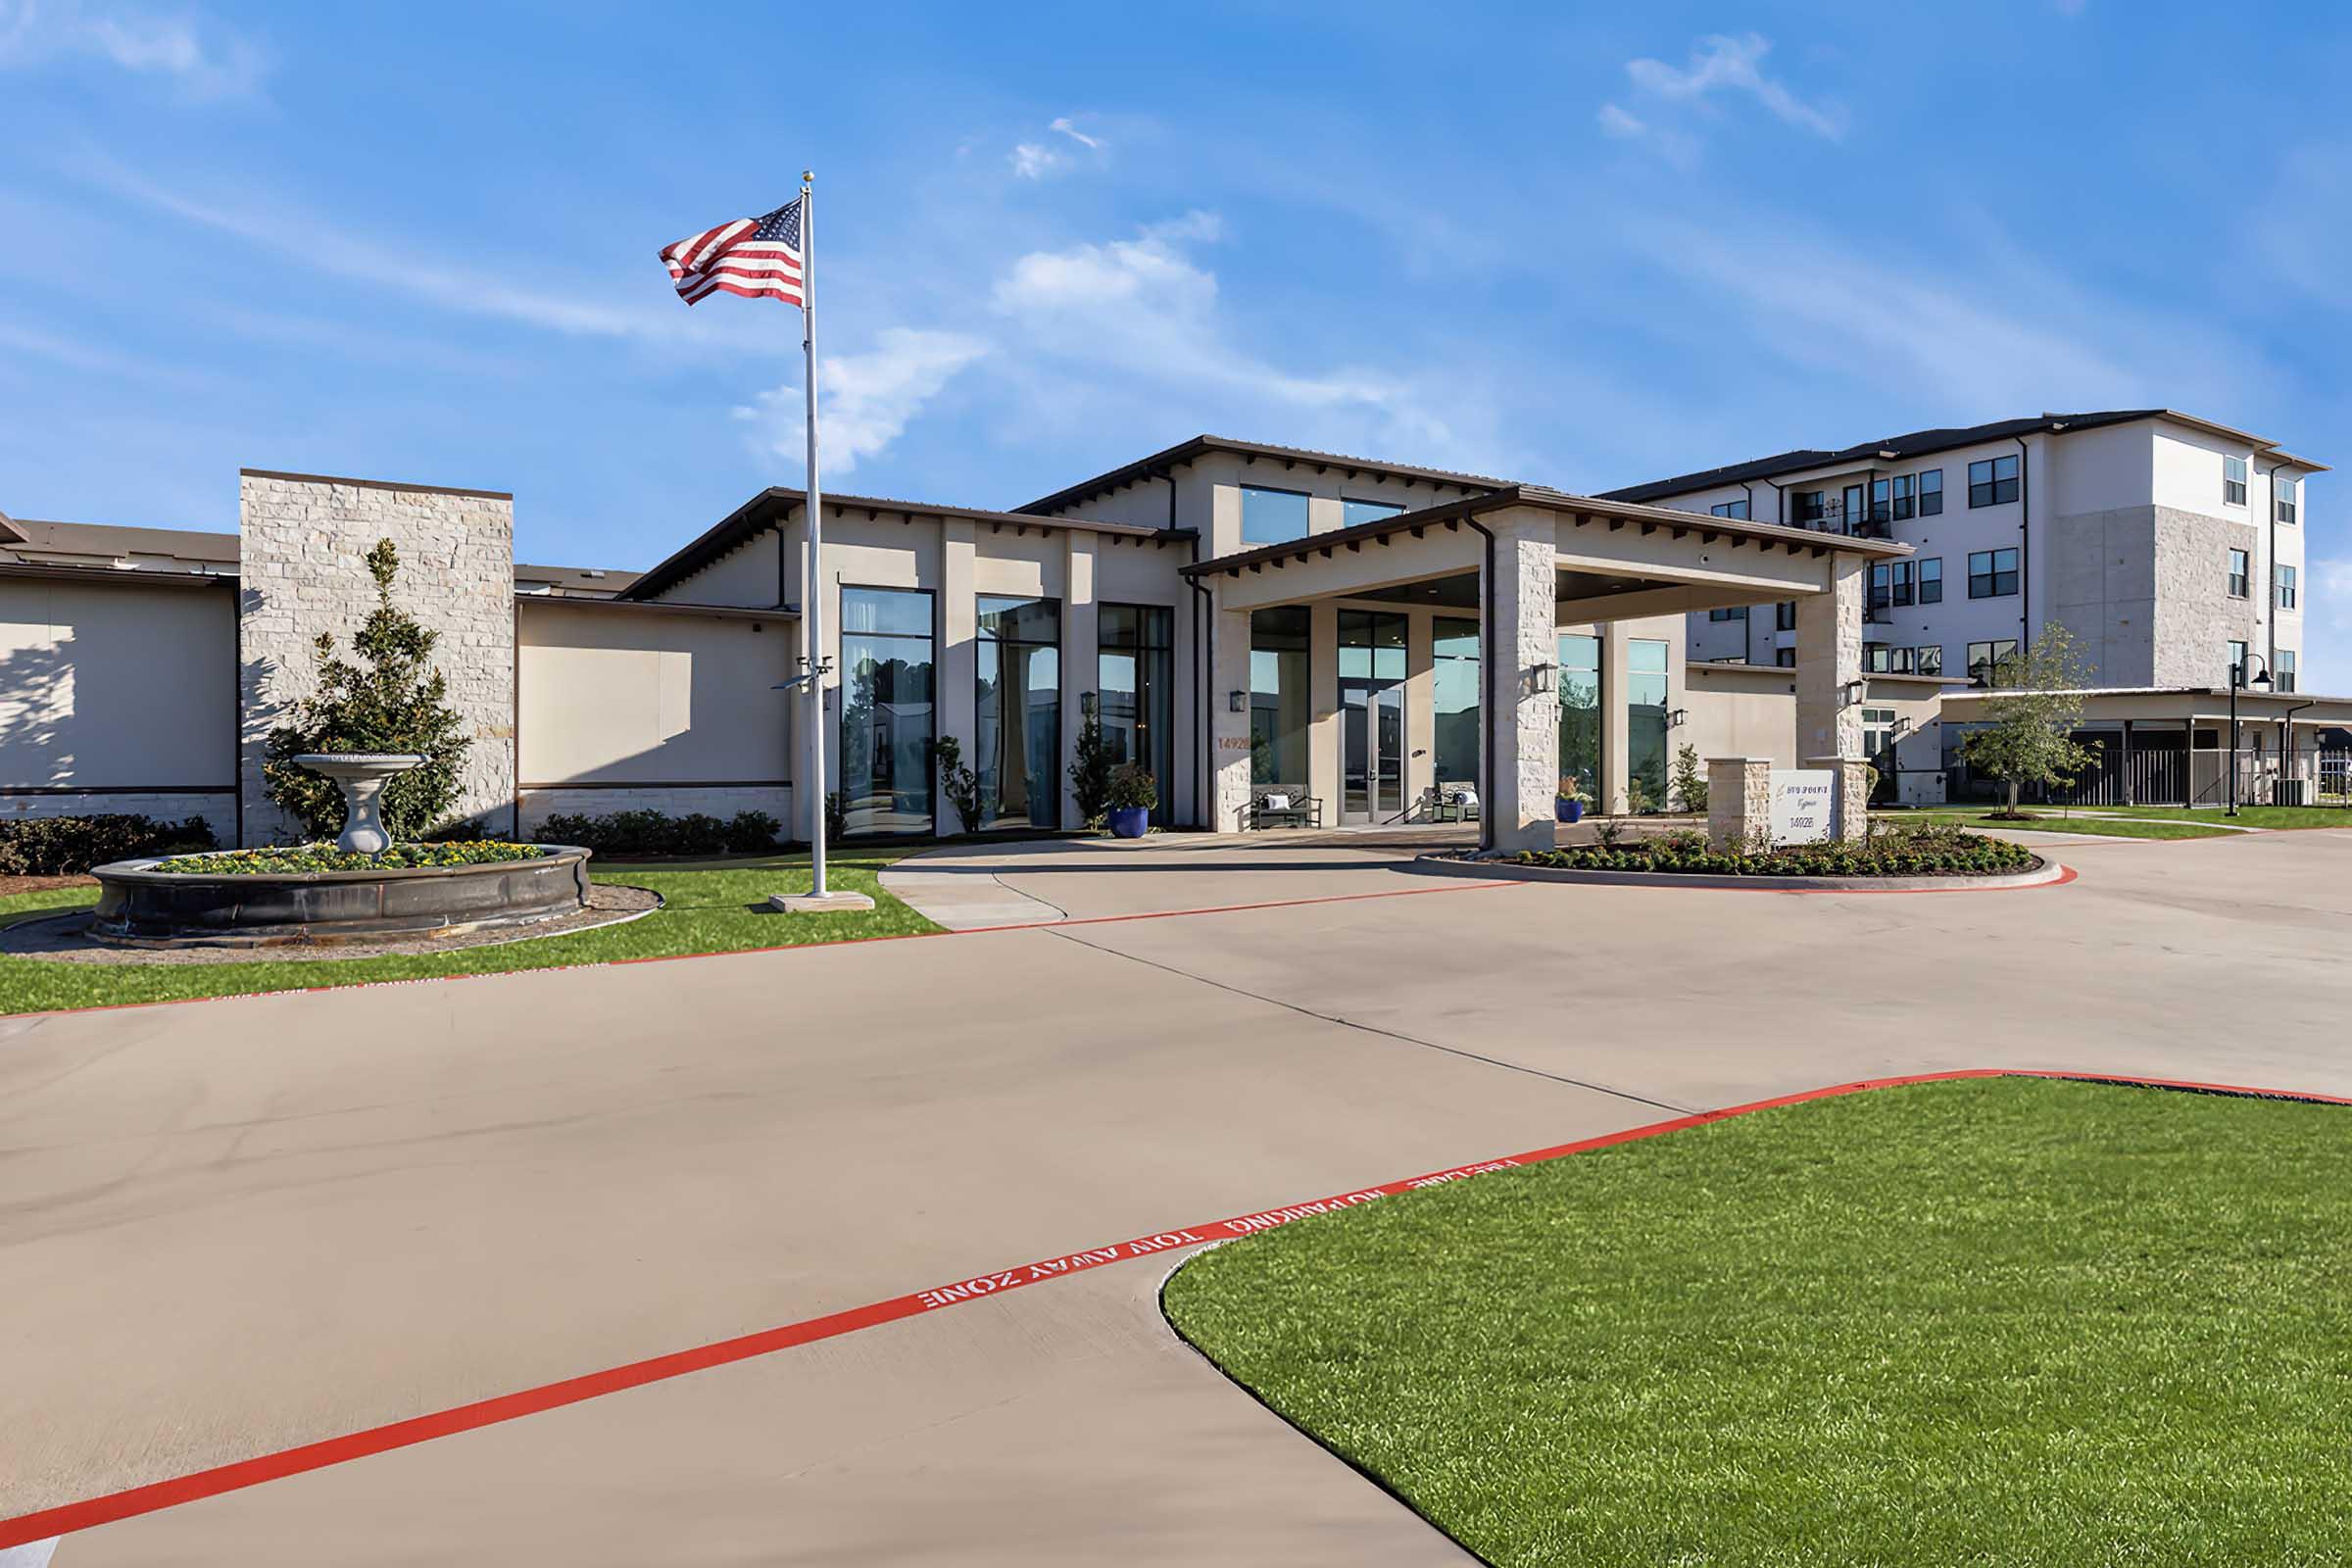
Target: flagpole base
833, 903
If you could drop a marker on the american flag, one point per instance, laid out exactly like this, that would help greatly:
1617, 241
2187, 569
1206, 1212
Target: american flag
758, 258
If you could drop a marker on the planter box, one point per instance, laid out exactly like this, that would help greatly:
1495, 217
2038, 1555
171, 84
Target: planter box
139, 903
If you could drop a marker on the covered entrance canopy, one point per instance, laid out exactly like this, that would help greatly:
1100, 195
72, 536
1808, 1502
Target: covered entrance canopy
1525, 562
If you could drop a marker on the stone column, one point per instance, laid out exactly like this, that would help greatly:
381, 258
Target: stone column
303, 540
1738, 801
1829, 660
1608, 791
1849, 818
1229, 731
1524, 726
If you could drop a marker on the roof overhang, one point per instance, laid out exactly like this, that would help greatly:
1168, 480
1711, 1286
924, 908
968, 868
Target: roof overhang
1160, 464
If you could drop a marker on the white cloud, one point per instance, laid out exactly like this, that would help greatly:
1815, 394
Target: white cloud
1719, 64
203, 59
864, 401
1033, 159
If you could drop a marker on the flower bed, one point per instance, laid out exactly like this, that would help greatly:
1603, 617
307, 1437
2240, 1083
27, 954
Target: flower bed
1907, 851
299, 859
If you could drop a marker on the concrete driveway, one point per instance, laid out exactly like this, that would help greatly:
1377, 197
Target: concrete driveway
234, 1227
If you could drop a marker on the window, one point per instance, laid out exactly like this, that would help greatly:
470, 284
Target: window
1853, 508
1905, 496
1136, 690
2233, 482
2241, 574
1879, 659
1784, 658
1019, 742
1808, 507
1985, 660
1906, 583
1272, 516
1930, 580
2236, 662
1279, 696
1580, 711
1729, 509
1784, 616
1645, 717
1736, 613
1881, 580
2285, 489
1352, 512
886, 710
2286, 587
1931, 493
1454, 684
2283, 679
1884, 661
1881, 504
1878, 731
1930, 659
1993, 481
1992, 573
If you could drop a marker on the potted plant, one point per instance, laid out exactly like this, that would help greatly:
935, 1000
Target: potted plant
1569, 806
1133, 795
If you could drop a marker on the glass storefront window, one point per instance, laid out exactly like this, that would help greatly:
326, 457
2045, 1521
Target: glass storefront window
1272, 516
1019, 712
1454, 682
1580, 711
886, 702
1279, 698
1134, 679
1372, 654
1646, 718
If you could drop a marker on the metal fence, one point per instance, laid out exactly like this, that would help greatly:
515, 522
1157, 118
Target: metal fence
2180, 775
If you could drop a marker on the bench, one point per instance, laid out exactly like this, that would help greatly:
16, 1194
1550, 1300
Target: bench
1294, 811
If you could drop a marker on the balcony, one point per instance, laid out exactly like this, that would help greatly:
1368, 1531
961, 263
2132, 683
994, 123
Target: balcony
1862, 522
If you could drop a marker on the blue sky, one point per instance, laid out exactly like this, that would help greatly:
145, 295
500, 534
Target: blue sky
419, 242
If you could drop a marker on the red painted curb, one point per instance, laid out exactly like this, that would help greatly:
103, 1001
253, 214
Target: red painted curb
67, 1518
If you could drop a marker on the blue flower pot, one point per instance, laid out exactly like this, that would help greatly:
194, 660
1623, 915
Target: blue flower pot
1567, 811
1130, 821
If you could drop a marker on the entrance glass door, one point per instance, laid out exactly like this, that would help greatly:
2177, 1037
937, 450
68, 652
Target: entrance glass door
1372, 715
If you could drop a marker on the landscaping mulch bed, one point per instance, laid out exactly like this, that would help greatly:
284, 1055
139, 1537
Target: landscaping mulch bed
64, 937
11, 885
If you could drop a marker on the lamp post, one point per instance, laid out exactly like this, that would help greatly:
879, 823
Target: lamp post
2237, 681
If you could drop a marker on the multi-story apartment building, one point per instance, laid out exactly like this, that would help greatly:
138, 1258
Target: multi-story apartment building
2168, 545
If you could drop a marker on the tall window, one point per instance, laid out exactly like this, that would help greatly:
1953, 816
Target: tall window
2286, 489
1645, 715
1784, 616
1272, 516
1931, 493
1993, 481
1019, 711
1992, 573
885, 707
2283, 679
1881, 579
1279, 695
1985, 660
1852, 505
1930, 580
1784, 658
2241, 574
1808, 506
1729, 509
2235, 664
1454, 685
1352, 512
2286, 587
1136, 690
1906, 498
1881, 504
2233, 482
1580, 711
1929, 658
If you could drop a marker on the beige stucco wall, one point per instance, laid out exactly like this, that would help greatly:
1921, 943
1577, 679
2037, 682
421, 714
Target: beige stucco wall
95, 720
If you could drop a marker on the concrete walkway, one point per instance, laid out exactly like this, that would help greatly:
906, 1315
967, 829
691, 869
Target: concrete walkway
264, 1222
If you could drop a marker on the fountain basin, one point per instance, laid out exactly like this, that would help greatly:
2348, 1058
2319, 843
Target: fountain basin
140, 903
361, 776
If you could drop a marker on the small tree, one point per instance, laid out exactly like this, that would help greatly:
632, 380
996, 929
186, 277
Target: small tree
959, 783
392, 700
2037, 703
1090, 774
1690, 784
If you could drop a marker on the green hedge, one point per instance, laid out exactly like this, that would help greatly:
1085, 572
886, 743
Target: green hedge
67, 846
299, 858
1919, 852
658, 833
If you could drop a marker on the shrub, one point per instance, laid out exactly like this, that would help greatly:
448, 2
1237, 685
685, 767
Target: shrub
649, 832
1689, 783
67, 846
1927, 851
1132, 786
1090, 774
753, 833
958, 782
299, 858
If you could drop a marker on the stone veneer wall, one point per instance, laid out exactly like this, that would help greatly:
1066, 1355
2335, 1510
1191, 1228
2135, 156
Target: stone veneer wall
302, 573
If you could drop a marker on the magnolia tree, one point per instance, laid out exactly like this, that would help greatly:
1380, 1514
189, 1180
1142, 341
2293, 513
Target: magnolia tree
2034, 711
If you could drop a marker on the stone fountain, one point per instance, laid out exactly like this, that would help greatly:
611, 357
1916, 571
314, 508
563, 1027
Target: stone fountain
361, 776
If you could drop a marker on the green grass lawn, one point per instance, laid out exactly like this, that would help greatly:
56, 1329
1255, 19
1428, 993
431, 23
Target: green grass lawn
712, 907
1986, 1322
2270, 817
2048, 820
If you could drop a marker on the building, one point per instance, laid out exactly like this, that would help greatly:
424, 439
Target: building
1244, 619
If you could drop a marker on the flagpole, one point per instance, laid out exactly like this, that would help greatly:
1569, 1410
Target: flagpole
813, 596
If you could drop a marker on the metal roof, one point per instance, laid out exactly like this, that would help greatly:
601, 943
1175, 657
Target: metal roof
1158, 463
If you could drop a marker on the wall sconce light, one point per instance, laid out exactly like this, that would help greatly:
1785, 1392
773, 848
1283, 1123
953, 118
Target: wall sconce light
1542, 678
1855, 691
1237, 702
1676, 718
1089, 703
